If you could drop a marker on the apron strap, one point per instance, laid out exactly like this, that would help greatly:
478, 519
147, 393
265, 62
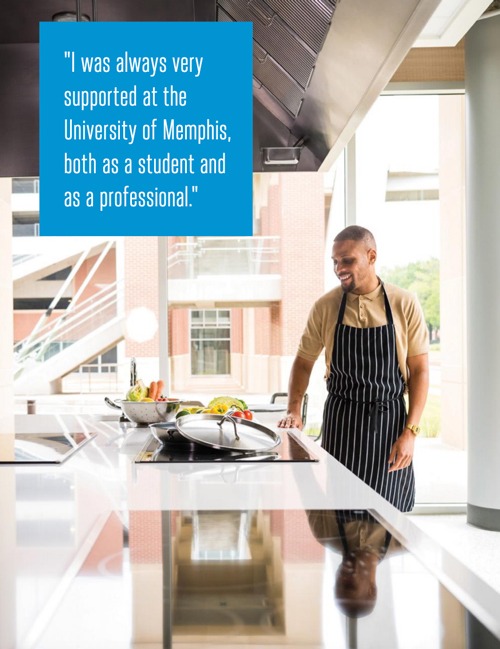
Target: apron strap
388, 310
342, 309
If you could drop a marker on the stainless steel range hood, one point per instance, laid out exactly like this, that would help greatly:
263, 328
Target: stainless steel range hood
318, 67
360, 51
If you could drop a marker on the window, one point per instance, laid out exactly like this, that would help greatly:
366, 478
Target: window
410, 184
25, 185
210, 341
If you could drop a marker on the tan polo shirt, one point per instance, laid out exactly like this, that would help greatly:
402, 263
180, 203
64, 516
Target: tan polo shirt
360, 534
412, 336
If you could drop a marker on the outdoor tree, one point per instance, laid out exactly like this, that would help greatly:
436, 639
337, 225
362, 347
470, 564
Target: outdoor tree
422, 278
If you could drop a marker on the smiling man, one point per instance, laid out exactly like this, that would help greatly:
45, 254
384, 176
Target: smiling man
376, 347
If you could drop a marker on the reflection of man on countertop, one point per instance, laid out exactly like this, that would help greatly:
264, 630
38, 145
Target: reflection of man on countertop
376, 347
363, 543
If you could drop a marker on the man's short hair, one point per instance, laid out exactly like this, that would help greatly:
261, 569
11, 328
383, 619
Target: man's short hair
357, 233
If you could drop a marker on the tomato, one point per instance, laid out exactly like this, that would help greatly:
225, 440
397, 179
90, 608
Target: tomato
247, 414
238, 413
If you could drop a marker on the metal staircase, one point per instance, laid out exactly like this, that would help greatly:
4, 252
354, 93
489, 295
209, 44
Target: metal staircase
31, 263
68, 341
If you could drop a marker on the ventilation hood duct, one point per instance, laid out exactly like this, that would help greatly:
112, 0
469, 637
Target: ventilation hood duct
318, 67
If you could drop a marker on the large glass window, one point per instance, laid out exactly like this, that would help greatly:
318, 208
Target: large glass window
210, 341
409, 193
237, 306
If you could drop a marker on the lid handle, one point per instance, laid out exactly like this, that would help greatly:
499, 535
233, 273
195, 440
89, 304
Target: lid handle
228, 417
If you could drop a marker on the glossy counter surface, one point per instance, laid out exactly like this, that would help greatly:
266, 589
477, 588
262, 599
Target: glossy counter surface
97, 525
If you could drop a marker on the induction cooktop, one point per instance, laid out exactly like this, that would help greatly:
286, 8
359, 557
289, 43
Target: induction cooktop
44, 448
291, 449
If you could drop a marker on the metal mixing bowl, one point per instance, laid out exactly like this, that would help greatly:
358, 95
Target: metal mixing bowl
147, 412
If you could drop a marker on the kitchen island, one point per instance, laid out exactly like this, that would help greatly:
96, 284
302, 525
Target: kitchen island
103, 552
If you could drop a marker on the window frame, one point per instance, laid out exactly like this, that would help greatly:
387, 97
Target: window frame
397, 89
191, 327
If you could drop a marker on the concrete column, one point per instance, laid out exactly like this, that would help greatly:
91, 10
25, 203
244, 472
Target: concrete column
7, 475
482, 56
163, 310
6, 310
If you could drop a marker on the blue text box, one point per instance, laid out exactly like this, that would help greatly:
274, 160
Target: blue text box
113, 163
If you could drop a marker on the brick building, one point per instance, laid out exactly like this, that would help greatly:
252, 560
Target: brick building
237, 306
248, 337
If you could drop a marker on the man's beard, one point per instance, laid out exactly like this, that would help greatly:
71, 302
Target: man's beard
348, 288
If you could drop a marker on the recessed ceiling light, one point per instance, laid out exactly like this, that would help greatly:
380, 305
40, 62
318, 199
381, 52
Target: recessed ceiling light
68, 17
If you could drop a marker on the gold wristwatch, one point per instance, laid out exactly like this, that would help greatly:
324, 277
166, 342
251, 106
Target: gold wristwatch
414, 429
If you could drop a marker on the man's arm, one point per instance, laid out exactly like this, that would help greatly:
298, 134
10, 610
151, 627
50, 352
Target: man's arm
418, 386
297, 386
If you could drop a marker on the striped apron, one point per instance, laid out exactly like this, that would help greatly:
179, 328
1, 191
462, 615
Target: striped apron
365, 411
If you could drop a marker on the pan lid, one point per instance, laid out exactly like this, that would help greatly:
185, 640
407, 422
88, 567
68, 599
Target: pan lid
227, 433
268, 407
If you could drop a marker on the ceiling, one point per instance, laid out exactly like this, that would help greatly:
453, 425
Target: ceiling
450, 22
19, 19
352, 62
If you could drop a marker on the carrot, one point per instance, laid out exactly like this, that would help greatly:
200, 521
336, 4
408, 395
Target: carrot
161, 385
152, 391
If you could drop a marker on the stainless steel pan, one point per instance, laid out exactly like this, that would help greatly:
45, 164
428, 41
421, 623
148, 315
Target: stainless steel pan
224, 433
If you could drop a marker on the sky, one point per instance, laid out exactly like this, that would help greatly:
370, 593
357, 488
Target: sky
400, 133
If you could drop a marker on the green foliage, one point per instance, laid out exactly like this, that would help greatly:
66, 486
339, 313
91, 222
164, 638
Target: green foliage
431, 417
430, 424
422, 278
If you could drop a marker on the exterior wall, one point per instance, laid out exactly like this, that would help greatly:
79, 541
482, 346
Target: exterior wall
263, 330
25, 321
141, 261
105, 274
263, 339
237, 345
294, 210
302, 253
236, 331
178, 327
178, 330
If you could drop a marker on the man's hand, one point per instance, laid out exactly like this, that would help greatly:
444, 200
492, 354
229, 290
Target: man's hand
297, 386
290, 420
402, 451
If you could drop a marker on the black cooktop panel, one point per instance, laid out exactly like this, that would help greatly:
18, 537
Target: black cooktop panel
291, 449
43, 448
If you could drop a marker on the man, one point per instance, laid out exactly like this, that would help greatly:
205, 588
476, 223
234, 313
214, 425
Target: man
376, 347
363, 544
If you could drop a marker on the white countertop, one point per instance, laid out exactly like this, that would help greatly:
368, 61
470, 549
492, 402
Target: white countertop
49, 514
